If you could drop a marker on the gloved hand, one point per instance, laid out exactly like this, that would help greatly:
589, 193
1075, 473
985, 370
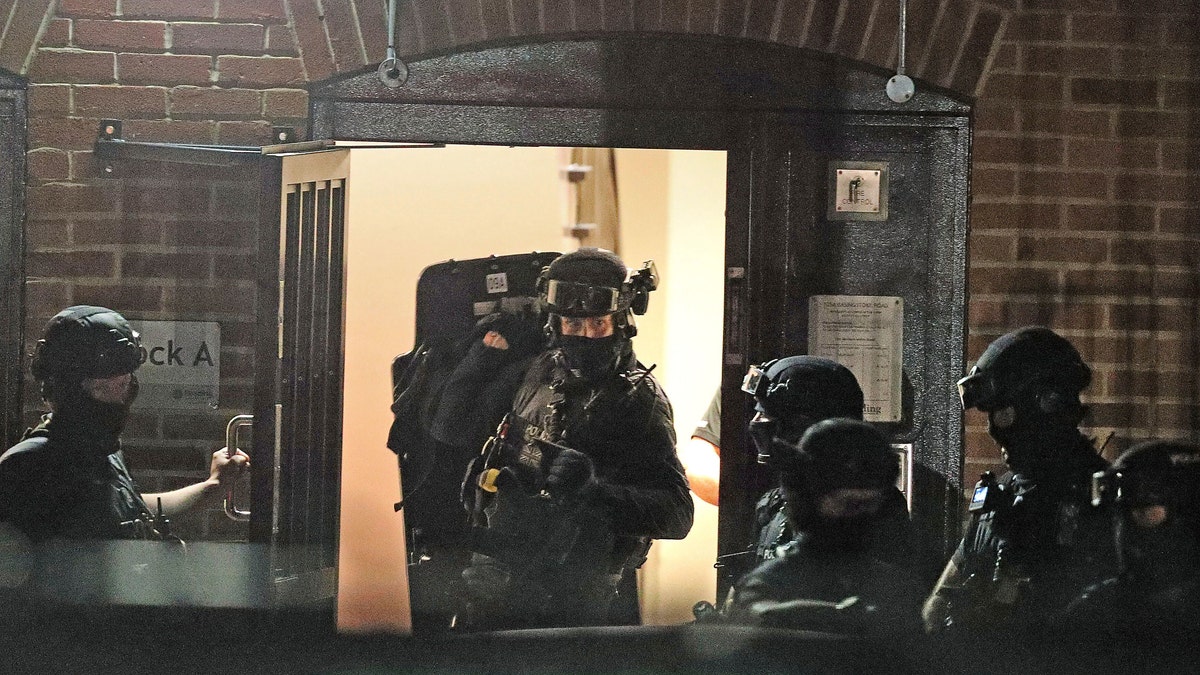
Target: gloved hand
522, 333
571, 474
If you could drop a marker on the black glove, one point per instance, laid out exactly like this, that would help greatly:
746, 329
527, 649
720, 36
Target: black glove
523, 333
571, 473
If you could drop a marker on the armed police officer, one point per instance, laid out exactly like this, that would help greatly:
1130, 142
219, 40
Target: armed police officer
1033, 542
1155, 598
837, 485
582, 473
67, 478
792, 394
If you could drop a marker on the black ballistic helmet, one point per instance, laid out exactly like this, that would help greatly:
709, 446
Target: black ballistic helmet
86, 342
587, 282
1032, 363
842, 453
1165, 473
804, 386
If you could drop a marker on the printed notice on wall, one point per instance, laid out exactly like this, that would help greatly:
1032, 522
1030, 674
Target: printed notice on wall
865, 333
181, 364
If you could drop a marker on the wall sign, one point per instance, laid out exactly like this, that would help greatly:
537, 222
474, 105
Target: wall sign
181, 364
858, 191
865, 333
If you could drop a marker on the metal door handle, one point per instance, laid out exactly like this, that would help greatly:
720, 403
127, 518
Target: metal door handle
231, 432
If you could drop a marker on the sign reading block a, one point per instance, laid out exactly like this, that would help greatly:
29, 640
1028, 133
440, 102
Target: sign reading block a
181, 365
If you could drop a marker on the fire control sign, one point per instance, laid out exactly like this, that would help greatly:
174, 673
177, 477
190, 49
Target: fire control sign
181, 364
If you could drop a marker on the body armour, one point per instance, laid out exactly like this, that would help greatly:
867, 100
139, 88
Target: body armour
542, 561
60, 483
1033, 543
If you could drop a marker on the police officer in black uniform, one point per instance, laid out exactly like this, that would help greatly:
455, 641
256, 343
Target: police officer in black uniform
582, 473
837, 484
67, 478
1155, 598
1034, 541
791, 394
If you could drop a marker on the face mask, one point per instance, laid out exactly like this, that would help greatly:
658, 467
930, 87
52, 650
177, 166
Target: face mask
591, 356
1157, 555
101, 419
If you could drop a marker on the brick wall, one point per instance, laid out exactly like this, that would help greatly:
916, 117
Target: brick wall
1085, 172
1084, 160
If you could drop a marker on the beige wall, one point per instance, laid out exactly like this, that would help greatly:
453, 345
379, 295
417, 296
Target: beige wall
409, 208
673, 210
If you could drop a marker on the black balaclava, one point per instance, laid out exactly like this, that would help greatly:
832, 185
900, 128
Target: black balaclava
835, 454
589, 283
1166, 474
86, 342
1028, 382
793, 393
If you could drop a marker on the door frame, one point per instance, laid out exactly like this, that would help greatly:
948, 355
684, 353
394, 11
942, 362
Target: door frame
13, 135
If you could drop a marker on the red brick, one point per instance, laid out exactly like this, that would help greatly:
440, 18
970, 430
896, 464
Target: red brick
56, 199
1024, 87
235, 267
1155, 187
993, 182
214, 103
1009, 280
73, 66
373, 24
435, 25
1062, 184
233, 233
1005, 59
1178, 220
408, 40
1126, 154
1107, 29
164, 69
1067, 60
285, 103
1062, 249
122, 102
466, 20
994, 248
589, 15
1028, 151
343, 35
183, 200
120, 35
1007, 216
59, 264
258, 11
1110, 217
525, 18
993, 116
1156, 253
282, 42
1039, 27
260, 71
1107, 282
1158, 124
58, 34
1183, 94
130, 298
164, 265
244, 133
1067, 122
556, 17
172, 131
944, 46
65, 134
124, 231
312, 40
47, 164
86, 166
1149, 317
100, 9
168, 9
49, 98
217, 38
1126, 348
41, 234
227, 298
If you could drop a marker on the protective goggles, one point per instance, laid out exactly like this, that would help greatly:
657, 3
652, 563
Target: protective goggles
118, 355
569, 298
978, 390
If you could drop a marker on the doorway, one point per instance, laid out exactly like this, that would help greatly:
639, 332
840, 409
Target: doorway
412, 207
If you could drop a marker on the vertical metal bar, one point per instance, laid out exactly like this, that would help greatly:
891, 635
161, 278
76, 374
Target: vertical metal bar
319, 308
266, 348
334, 363
903, 29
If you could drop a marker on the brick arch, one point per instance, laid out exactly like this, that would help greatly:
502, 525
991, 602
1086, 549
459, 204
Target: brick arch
950, 42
